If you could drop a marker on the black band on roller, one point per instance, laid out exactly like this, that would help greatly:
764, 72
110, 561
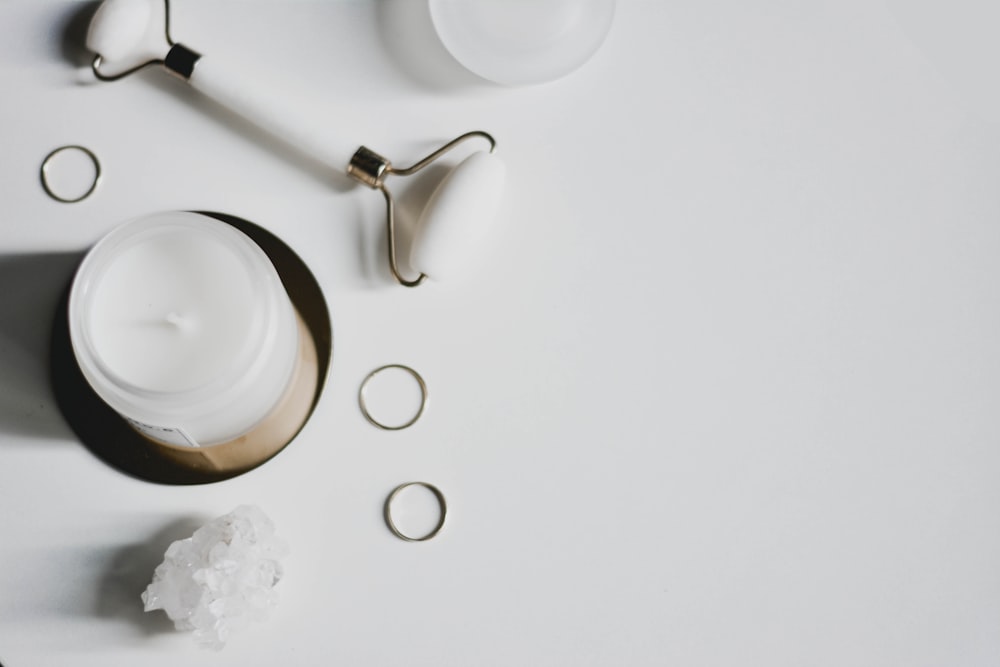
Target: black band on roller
180, 60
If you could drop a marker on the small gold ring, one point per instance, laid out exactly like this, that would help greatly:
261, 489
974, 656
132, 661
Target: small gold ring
45, 173
363, 402
441, 504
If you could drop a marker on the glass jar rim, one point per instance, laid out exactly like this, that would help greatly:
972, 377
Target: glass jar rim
150, 404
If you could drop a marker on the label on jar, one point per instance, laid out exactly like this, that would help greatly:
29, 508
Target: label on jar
170, 436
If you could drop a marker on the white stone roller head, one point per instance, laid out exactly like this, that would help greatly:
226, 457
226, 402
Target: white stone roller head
128, 32
458, 216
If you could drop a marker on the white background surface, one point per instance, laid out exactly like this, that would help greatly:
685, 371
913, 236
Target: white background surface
723, 391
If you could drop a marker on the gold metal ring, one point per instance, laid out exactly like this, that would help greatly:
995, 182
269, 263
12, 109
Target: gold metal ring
363, 401
441, 504
45, 173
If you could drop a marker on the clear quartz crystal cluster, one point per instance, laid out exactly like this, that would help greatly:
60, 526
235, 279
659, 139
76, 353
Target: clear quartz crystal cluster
221, 578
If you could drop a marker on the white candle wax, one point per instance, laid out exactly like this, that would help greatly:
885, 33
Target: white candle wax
181, 324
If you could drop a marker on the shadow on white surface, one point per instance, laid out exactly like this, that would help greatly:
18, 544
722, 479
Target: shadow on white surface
129, 570
408, 36
32, 287
228, 121
73, 33
959, 43
70, 584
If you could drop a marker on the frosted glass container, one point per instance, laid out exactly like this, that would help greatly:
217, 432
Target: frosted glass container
181, 324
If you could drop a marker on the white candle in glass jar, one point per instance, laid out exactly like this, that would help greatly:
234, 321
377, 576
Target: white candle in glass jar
180, 323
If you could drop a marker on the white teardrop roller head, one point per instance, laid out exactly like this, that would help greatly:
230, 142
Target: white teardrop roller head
118, 28
458, 216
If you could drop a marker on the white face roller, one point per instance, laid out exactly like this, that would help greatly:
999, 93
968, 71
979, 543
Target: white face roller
127, 35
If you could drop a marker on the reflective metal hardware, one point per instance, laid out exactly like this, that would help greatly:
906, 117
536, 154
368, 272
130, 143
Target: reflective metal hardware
370, 168
366, 166
363, 401
392, 525
44, 173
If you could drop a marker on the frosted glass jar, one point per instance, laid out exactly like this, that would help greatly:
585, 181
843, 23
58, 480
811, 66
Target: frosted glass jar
181, 324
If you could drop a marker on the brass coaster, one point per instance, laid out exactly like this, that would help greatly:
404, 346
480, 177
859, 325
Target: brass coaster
110, 438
